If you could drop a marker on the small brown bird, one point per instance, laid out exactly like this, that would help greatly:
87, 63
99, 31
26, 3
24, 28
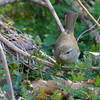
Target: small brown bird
66, 48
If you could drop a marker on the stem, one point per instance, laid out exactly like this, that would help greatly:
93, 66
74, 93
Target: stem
60, 73
70, 86
40, 72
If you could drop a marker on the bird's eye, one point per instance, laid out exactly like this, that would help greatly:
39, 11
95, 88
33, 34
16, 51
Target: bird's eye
67, 52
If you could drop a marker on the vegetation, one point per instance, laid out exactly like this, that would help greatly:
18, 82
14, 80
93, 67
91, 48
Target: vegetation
38, 22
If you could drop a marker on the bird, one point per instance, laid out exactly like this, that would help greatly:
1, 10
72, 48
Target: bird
66, 49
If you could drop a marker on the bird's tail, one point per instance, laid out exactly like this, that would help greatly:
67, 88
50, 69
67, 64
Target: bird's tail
70, 20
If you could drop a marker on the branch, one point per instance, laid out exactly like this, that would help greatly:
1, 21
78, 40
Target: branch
88, 13
25, 54
54, 15
5, 26
4, 63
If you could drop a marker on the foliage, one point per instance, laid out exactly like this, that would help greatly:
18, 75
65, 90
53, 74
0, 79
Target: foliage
84, 74
38, 22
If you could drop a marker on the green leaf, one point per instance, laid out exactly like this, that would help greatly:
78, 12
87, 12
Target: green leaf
55, 78
74, 77
86, 52
16, 61
9, 55
80, 94
95, 48
64, 9
38, 40
48, 74
16, 72
91, 35
1, 66
57, 95
9, 60
75, 8
97, 97
30, 57
97, 82
55, 67
6, 88
96, 7
67, 1
98, 30
1, 72
84, 56
52, 1
30, 29
25, 61
50, 39
17, 79
16, 86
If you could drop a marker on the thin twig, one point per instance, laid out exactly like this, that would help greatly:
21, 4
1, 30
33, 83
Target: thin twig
89, 24
9, 83
88, 13
54, 15
87, 30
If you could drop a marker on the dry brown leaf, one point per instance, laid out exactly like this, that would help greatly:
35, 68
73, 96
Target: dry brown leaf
90, 82
76, 85
49, 86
